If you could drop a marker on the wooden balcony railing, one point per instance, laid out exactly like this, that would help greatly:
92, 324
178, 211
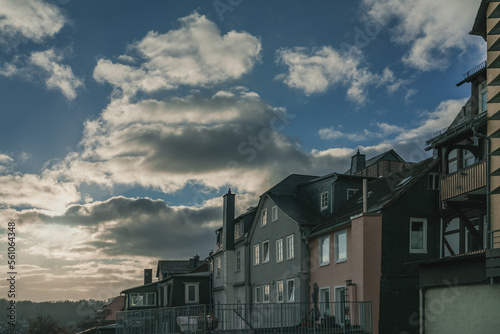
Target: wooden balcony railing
464, 181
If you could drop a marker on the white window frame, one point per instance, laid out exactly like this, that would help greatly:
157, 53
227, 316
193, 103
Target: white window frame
274, 213
279, 250
266, 293
324, 261
256, 254
218, 267
238, 260
280, 292
351, 192
145, 299
290, 251
424, 237
263, 218
324, 200
290, 297
196, 286
258, 295
338, 258
265, 257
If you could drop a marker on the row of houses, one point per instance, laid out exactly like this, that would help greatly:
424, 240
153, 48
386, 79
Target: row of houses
418, 241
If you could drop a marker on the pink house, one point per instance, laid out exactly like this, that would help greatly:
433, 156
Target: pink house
345, 264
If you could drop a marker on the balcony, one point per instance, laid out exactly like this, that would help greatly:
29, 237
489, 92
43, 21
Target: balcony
464, 181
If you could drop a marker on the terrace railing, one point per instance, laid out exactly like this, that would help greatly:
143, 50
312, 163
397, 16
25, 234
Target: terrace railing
334, 317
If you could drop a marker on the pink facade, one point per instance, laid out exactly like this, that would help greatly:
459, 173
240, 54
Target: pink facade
115, 306
362, 265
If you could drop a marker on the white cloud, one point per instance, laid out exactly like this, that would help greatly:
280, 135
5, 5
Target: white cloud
31, 19
36, 192
196, 54
45, 66
431, 29
315, 71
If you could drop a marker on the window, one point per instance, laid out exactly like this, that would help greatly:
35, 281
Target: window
256, 254
142, 299
279, 250
341, 246
165, 294
275, 213
265, 251
238, 260
290, 247
324, 200
279, 292
418, 235
191, 292
324, 301
267, 291
290, 290
351, 192
217, 274
238, 230
433, 181
468, 158
453, 161
324, 251
264, 218
483, 97
258, 296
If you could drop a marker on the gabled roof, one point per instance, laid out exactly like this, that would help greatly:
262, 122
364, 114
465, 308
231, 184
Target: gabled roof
479, 27
382, 192
288, 186
296, 209
390, 155
170, 267
464, 122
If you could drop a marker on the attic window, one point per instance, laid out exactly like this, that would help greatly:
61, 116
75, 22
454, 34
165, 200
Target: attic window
404, 182
324, 200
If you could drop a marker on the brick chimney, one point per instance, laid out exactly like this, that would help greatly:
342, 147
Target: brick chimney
228, 221
358, 162
193, 263
148, 276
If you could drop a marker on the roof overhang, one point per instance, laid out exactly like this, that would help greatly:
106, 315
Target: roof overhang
479, 27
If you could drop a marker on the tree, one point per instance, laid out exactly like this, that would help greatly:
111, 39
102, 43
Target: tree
43, 324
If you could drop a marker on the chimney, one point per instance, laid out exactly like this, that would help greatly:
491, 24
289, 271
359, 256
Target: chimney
365, 196
193, 263
358, 162
148, 276
228, 221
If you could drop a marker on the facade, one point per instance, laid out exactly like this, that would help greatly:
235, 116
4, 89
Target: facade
459, 290
229, 259
189, 285
364, 250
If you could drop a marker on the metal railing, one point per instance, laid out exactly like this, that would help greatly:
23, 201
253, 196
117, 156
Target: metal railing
334, 317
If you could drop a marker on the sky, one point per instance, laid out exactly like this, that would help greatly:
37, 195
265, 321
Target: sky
123, 122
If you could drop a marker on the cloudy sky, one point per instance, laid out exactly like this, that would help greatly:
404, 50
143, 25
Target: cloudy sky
124, 122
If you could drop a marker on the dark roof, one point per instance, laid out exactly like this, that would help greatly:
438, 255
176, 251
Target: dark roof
382, 192
172, 267
296, 209
479, 26
463, 123
390, 155
289, 184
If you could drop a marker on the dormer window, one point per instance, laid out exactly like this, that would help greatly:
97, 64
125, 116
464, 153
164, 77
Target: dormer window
483, 97
324, 200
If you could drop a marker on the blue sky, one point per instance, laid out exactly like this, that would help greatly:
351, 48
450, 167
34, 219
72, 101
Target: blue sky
123, 122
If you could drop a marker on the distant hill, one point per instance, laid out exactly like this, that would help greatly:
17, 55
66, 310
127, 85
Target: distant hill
67, 313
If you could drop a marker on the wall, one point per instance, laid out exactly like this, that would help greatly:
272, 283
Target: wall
362, 265
271, 272
462, 309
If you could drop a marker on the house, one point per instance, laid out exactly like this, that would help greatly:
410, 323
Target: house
229, 259
107, 313
172, 275
459, 290
362, 250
